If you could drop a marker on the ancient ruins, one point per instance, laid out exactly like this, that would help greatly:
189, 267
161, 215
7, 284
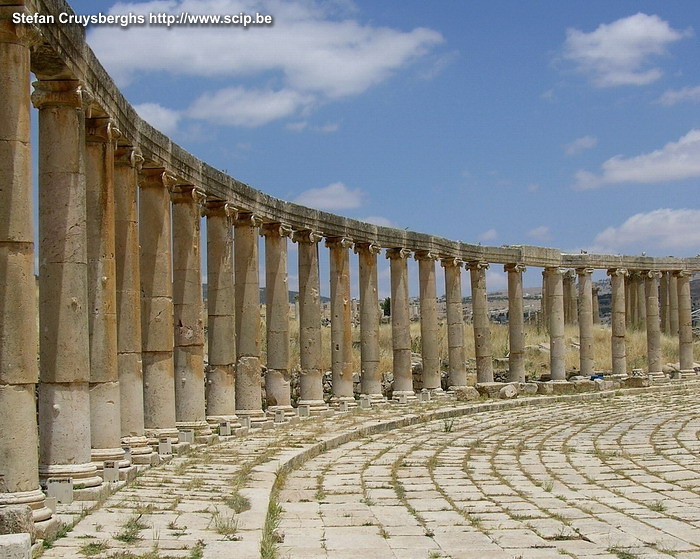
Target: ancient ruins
121, 335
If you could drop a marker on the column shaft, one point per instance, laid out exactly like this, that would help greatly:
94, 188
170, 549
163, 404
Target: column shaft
221, 332
369, 321
278, 375
651, 288
555, 298
400, 323
596, 305
127, 163
618, 321
188, 309
544, 302
673, 319
568, 280
516, 324
685, 324
248, 388
428, 321
455, 322
64, 398
585, 321
664, 303
640, 301
480, 319
18, 330
105, 411
157, 305
341, 320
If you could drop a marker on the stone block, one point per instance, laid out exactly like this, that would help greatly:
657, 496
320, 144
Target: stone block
466, 393
17, 519
583, 385
15, 546
563, 387
489, 389
602, 384
635, 382
508, 392
545, 388
528, 388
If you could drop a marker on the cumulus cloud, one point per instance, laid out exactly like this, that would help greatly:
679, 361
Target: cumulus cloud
620, 53
675, 161
683, 95
580, 144
159, 117
489, 235
313, 54
664, 228
335, 196
540, 233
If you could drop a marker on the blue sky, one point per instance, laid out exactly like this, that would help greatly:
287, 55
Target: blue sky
567, 124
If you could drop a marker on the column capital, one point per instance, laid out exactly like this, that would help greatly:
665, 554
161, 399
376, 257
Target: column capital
70, 93
306, 236
651, 274
156, 177
555, 270
682, 273
618, 272
451, 262
187, 194
128, 155
338, 242
101, 130
220, 208
478, 265
24, 33
397, 253
250, 219
275, 229
514, 268
425, 255
636, 273
584, 271
372, 248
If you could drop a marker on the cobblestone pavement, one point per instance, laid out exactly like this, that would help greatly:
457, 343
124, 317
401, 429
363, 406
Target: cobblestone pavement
603, 478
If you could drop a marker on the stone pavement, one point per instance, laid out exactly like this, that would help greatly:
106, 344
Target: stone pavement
585, 476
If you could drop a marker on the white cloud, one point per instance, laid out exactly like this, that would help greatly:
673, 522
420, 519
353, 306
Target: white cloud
580, 144
619, 53
310, 55
159, 117
684, 95
540, 233
675, 161
380, 220
489, 235
237, 106
335, 196
664, 228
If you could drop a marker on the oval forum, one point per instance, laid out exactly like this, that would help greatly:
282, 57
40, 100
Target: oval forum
84, 20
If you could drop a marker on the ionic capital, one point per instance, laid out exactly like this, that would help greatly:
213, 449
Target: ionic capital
101, 130
338, 242
129, 156
156, 177
584, 271
619, 272
425, 255
651, 274
682, 273
371, 248
478, 265
306, 236
217, 208
275, 229
451, 262
247, 219
67, 93
22, 33
187, 194
514, 268
397, 253
555, 270
570, 274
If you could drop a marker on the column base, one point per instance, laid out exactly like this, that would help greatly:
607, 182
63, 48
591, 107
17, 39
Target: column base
409, 395
288, 410
83, 475
214, 420
375, 399
202, 430
316, 407
656, 375
34, 499
257, 418
46, 529
170, 432
350, 401
141, 451
688, 373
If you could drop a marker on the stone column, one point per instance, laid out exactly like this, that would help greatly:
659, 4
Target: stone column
157, 305
516, 324
585, 321
651, 287
480, 314
127, 164
555, 298
596, 305
18, 330
64, 397
428, 321
568, 281
618, 321
221, 334
630, 301
278, 376
369, 321
544, 302
685, 324
572, 298
341, 321
455, 323
105, 411
673, 320
188, 307
664, 302
400, 323
640, 300
248, 388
